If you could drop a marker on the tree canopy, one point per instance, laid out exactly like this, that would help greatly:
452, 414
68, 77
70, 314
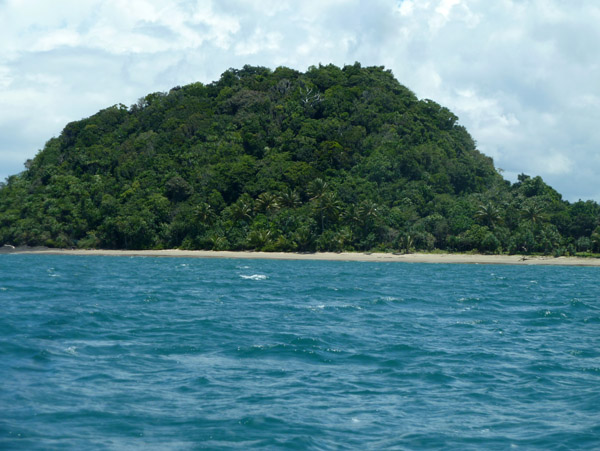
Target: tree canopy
331, 159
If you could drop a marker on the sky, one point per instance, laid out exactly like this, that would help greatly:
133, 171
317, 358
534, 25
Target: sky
521, 75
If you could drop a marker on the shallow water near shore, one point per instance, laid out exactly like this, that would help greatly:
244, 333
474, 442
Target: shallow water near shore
133, 352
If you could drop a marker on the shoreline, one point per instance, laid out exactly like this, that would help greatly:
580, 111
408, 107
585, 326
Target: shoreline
328, 256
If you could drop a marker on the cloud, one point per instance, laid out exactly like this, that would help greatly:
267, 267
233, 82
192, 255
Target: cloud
522, 76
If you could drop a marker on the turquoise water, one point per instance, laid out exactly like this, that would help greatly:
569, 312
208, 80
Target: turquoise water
151, 353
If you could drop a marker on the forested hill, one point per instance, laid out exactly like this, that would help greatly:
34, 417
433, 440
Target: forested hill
331, 159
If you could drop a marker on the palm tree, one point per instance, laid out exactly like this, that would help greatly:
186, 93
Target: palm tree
317, 188
241, 211
304, 239
204, 213
257, 239
328, 206
343, 237
534, 212
406, 242
267, 203
595, 239
367, 213
326, 202
488, 214
218, 241
290, 198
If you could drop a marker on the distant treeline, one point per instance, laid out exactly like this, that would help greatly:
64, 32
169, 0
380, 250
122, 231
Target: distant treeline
278, 160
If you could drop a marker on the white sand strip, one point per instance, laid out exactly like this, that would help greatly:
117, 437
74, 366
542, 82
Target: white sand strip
341, 256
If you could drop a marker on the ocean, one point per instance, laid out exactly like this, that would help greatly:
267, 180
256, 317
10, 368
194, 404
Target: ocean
175, 353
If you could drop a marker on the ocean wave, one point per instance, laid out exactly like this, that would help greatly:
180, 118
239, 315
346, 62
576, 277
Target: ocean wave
324, 355
254, 277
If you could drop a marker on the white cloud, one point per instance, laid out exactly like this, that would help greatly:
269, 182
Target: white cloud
522, 76
557, 163
5, 77
258, 42
54, 39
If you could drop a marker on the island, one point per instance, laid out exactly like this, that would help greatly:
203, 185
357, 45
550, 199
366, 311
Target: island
277, 160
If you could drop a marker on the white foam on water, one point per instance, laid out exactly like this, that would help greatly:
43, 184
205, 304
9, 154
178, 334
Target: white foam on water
254, 277
51, 273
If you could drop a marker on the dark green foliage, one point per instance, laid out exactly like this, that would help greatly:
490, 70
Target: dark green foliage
332, 159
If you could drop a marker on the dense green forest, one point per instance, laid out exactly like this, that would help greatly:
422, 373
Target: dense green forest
279, 160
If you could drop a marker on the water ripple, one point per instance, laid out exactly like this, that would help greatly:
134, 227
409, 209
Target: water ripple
105, 352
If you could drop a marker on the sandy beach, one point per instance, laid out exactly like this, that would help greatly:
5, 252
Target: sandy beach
341, 256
